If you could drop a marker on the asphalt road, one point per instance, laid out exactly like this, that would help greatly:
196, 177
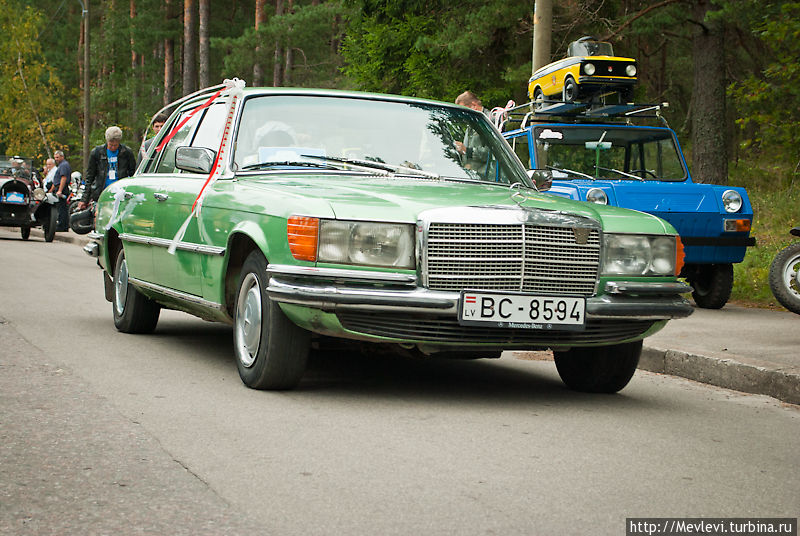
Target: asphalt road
106, 433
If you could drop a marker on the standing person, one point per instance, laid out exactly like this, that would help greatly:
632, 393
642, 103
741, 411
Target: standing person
107, 164
158, 122
49, 173
59, 187
474, 152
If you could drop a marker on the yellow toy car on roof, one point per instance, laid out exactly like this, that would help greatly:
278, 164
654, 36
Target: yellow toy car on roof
590, 70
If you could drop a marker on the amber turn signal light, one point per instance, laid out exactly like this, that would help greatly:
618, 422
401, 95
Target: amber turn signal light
303, 234
737, 226
680, 256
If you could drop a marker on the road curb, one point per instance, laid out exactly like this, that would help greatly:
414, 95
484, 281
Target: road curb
728, 373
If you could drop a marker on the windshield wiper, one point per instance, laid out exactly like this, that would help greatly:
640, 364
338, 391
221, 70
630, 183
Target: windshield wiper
565, 170
371, 164
623, 173
293, 163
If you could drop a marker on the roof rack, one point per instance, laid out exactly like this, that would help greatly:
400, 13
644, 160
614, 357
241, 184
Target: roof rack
546, 110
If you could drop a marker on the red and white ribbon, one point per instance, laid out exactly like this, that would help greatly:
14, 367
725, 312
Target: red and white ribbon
233, 89
500, 114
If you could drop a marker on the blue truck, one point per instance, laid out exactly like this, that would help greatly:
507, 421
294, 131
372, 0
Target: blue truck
601, 155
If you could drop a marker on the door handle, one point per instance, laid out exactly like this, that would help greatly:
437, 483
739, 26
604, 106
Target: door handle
160, 197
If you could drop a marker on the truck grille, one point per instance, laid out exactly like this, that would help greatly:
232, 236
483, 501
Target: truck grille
518, 258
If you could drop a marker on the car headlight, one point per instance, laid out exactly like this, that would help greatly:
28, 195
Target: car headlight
366, 243
597, 195
639, 255
630, 70
731, 200
589, 69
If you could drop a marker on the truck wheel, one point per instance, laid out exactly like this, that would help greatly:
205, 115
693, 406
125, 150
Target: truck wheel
26, 231
49, 224
271, 351
133, 311
570, 90
783, 277
602, 369
712, 285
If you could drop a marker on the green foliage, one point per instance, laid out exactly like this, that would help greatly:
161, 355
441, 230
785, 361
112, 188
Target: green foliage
30, 102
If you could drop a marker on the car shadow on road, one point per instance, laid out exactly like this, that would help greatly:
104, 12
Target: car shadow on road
386, 376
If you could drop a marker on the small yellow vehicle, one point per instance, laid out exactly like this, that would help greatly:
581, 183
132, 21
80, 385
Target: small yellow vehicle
590, 70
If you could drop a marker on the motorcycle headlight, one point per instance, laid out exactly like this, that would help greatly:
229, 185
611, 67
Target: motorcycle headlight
597, 195
639, 255
589, 69
731, 200
630, 70
366, 243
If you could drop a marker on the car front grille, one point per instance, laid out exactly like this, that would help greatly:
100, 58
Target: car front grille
447, 330
518, 258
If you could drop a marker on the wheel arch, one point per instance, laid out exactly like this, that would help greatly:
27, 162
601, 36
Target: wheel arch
240, 245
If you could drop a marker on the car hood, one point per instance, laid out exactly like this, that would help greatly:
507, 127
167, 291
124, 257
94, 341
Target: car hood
403, 199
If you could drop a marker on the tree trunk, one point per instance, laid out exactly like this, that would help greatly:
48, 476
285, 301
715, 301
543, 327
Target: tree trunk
134, 86
276, 69
287, 71
709, 146
261, 18
542, 32
189, 48
204, 44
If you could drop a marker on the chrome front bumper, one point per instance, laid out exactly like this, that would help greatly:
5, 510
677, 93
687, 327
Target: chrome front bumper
331, 290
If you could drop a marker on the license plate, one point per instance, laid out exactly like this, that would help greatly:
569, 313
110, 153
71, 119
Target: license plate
522, 311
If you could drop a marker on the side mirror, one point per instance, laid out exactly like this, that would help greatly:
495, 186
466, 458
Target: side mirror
194, 159
542, 178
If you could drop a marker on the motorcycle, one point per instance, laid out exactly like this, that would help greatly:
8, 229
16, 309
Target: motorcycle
784, 275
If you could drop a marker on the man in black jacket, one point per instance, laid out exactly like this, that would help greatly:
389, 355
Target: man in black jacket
107, 164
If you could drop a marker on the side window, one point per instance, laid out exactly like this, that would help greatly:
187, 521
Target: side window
167, 162
209, 133
520, 146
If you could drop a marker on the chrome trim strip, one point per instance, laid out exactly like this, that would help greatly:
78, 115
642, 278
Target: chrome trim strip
172, 293
92, 249
628, 287
165, 243
94, 235
422, 300
341, 274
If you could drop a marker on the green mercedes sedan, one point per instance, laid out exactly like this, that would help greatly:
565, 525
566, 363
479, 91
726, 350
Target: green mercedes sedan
299, 216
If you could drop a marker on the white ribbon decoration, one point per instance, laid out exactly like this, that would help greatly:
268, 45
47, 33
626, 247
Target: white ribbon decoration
500, 114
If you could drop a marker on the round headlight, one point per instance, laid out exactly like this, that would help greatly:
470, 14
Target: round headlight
38, 194
731, 200
630, 70
589, 69
597, 195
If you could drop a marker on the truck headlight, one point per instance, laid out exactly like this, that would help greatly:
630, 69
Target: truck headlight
731, 200
597, 195
366, 243
589, 69
639, 255
630, 70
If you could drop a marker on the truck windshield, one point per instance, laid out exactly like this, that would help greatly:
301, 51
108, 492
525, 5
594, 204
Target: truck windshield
608, 152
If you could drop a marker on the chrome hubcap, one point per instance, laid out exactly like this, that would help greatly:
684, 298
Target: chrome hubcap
121, 287
247, 330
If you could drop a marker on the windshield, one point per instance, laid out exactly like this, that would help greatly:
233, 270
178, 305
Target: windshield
605, 152
14, 166
590, 48
372, 136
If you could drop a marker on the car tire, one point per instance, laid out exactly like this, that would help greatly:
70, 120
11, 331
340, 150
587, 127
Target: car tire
25, 230
712, 284
49, 224
603, 369
570, 93
783, 278
271, 350
538, 99
133, 311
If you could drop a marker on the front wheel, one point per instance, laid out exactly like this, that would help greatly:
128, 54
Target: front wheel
49, 224
133, 311
271, 350
784, 277
570, 90
603, 369
712, 284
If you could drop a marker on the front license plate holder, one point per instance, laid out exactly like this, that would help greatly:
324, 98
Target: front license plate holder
522, 311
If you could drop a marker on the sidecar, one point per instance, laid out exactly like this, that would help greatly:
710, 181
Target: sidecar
23, 203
